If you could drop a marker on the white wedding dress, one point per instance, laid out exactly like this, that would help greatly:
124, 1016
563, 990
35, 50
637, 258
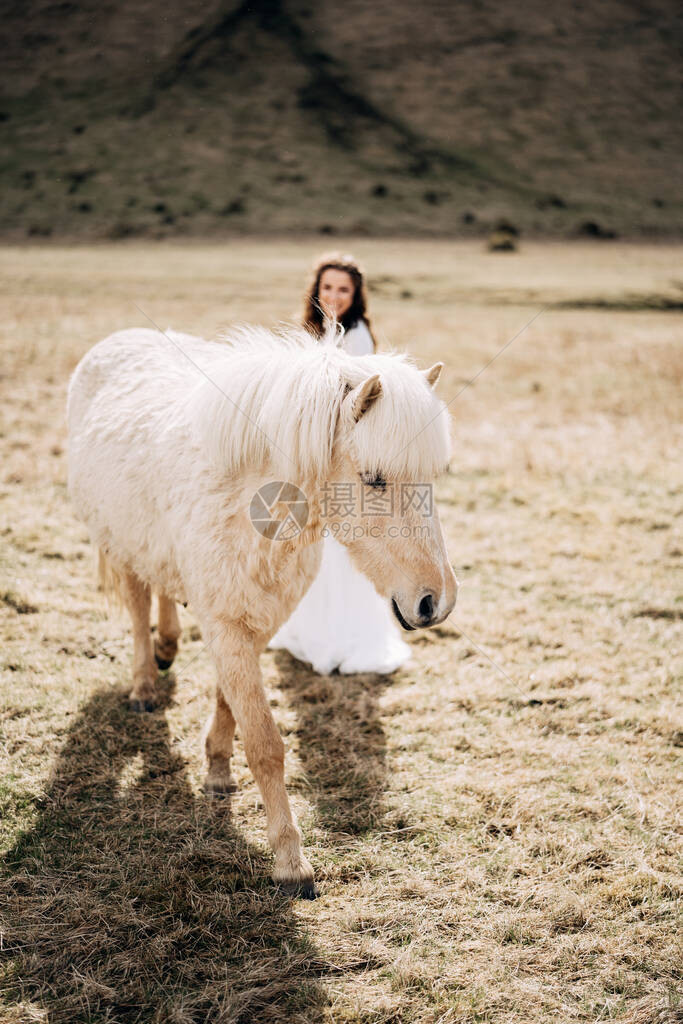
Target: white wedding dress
341, 622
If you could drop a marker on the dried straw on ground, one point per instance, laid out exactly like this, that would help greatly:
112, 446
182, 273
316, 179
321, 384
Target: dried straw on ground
494, 829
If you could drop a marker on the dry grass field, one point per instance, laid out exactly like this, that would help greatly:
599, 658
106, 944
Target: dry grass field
494, 828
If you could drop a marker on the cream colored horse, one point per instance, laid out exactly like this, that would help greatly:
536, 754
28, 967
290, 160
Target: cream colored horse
170, 438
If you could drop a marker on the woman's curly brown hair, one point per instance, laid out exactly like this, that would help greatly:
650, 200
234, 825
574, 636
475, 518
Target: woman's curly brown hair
314, 319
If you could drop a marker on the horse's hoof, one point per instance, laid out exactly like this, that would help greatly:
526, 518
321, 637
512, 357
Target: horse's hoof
142, 705
164, 653
220, 787
302, 890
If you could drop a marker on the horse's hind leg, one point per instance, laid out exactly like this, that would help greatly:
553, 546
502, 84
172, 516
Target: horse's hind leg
218, 747
166, 643
138, 600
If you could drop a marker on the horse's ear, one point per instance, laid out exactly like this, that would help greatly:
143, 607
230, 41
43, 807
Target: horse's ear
433, 373
362, 397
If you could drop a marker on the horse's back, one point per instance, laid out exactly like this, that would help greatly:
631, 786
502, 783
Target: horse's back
128, 434
131, 367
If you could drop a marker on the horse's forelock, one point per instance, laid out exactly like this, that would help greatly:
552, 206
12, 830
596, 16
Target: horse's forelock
406, 433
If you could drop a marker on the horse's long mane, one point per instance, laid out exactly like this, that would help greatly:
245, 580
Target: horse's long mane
274, 398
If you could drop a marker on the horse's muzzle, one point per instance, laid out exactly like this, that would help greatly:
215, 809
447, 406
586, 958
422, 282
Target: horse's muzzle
429, 612
397, 613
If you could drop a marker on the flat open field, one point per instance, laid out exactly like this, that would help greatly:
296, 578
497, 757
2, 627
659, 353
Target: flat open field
494, 828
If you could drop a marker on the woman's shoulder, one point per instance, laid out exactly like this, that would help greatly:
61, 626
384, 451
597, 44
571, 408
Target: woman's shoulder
358, 340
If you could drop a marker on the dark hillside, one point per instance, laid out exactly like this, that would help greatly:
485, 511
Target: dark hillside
283, 115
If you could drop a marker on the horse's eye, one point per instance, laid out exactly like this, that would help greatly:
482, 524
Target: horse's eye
374, 480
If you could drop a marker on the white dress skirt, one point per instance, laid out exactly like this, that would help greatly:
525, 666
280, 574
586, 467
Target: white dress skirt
342, 623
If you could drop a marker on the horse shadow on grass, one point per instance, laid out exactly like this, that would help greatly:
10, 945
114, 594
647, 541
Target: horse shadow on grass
342, 745
131, 900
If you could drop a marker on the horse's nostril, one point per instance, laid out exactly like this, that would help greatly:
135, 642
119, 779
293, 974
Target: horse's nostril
426, 607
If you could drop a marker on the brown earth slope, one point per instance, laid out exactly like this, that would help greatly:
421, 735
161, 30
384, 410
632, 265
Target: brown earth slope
284, 115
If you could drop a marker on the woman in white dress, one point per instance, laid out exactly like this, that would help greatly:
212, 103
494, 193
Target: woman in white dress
342, 623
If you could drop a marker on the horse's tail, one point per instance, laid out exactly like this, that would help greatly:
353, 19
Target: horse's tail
111, 583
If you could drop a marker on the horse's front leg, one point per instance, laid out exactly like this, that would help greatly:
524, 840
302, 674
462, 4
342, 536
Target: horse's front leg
239, 679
